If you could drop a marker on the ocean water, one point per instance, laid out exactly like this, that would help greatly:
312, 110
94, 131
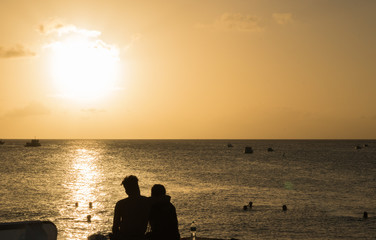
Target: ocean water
326, 185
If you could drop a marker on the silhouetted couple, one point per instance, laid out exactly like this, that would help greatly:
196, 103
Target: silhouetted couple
133, 214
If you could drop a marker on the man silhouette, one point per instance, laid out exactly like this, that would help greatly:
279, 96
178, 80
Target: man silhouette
131, 213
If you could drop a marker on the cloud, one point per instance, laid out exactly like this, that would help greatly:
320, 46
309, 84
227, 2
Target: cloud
16, 51
236, 22
56, 31
368, 117
283, 18
134, 39
92, 110
33, 109
57, 26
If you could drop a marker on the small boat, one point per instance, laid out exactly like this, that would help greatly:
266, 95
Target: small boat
230, 145
270, 149
358, 147
248, 150
33, 143
1, 142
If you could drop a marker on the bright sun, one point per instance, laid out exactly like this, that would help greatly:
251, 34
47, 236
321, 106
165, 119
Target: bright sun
83, 67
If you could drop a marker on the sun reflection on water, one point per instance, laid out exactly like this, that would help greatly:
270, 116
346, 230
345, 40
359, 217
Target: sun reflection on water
85, 171
83, 183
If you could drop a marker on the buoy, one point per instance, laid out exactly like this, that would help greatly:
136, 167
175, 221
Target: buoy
90, 205
88, 217
284, 208
250, 204
248, 150
365, 215
245, 207
76, 204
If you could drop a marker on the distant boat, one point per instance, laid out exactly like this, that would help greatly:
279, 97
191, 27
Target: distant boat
33, 143
248, 150
1, 142
270, 149
230, 145
358, 147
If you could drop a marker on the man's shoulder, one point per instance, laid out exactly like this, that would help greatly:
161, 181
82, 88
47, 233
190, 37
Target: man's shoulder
145, 200
134, 199
121, 202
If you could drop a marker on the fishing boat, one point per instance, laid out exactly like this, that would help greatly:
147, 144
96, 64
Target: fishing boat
33, 143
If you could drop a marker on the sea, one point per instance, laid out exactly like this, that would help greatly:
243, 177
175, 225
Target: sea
326, 185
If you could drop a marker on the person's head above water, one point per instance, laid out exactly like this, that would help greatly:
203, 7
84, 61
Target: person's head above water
158, 190
130, 184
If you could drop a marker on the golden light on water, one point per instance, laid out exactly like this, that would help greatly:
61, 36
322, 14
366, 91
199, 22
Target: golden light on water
83, 180
85, 176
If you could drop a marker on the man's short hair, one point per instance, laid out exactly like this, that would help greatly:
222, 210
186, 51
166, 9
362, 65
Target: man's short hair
130, 184
158, 190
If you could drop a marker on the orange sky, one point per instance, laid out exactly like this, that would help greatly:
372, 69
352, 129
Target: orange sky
187, 69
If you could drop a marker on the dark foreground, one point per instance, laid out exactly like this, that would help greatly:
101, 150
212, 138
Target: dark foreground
198, 238
46, 230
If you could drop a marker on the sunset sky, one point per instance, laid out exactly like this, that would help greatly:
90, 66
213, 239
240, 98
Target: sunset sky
203, 69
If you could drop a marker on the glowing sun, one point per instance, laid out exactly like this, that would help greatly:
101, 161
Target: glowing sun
84, 67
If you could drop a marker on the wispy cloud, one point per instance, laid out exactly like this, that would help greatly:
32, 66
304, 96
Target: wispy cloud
133, 40
57, 26
236, 22
16, 51
283, 18
369, 117
56, 30
32, 109
92, 110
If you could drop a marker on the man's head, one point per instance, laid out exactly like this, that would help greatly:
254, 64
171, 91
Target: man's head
130, 184
158, 190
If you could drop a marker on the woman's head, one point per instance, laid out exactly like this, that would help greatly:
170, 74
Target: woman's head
158, 190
